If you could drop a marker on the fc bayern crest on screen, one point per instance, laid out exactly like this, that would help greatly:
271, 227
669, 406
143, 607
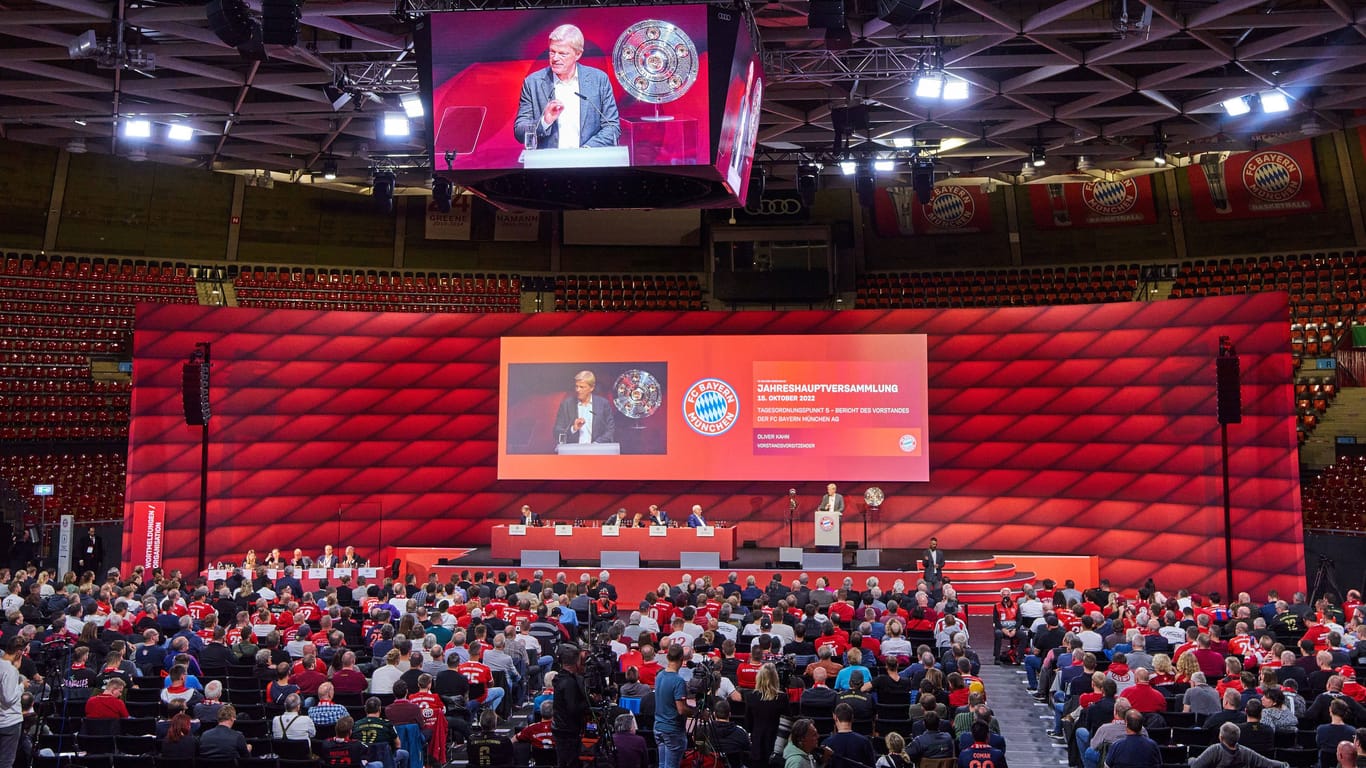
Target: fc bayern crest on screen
711, 407
1273, 177
950, 207
1110, 198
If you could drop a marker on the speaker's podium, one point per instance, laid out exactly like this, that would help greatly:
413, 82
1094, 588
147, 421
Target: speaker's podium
828, 557
588, 449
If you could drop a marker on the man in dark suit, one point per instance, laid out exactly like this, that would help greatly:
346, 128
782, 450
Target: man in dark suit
528, 517
90, 551
933, 561
832, 501
328, 559
618, 518
287, 579
585, 417
567, 105
696, 520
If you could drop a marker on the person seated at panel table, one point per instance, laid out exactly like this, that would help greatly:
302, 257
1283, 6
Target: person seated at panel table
618, 518
351, 559
328, 559
696, 520
250, 560
273, 560
528, 518
657, 516
298, 560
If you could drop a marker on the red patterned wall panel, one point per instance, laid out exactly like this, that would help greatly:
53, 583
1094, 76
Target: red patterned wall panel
1055, 429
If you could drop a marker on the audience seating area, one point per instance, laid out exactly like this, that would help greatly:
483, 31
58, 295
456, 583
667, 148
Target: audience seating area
1336, 499
1014, 287
1314, 392
623, 293
88, 485
371, 290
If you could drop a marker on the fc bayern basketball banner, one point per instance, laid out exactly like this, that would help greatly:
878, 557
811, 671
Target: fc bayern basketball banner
1099, 203
951, 210
1277, 181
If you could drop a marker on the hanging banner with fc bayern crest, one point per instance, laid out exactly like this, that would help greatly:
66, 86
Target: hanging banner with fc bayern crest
1276, 181
1099, 203
953, 209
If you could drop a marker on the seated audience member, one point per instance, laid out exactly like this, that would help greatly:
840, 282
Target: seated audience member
341, 751
177, 690
108, 703
933, 742
206, 711
179, 744
819, 695
224, 743
293, 724
1134, 749
1328, 735
1255, 734
980, 752
1228, 752
537, 734
487, 748
632, 751
379, 735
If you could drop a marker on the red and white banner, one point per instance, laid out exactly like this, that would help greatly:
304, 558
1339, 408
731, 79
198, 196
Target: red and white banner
455, 225
149, 521
1099, 203
951, 210
519, 226
1270, 182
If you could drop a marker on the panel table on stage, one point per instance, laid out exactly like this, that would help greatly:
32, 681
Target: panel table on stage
311, 578
583, 543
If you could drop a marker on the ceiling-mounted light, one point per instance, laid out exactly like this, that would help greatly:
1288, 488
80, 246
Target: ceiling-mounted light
929, 85
396, 125
329, 169
179, 132
1083, 163
1274, 101
76, 146
82, 45
137, 129
884, 166
1159, 154
1027, 170
412, 105
1038, 156
847, 167
1236, 107
955, 89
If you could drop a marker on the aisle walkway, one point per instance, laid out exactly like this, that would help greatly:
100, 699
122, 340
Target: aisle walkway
1023, 720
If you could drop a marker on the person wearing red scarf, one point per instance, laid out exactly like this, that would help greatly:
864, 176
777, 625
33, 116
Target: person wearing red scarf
108, 703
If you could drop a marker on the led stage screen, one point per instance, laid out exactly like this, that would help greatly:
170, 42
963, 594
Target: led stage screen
720, 407
1073, 429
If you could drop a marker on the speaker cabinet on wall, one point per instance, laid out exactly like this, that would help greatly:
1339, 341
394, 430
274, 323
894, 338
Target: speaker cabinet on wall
825, 14
231, 20
194, 393
280, 22
1229, 390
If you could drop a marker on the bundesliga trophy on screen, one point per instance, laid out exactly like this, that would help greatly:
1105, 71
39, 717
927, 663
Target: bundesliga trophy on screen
637, 395
655, 62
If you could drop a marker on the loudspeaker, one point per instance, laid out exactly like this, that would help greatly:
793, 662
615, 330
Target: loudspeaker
1229, 390
808, 183
230, 20
865, 184
280, 22
825, 14
194, 393
758, 180
922, 181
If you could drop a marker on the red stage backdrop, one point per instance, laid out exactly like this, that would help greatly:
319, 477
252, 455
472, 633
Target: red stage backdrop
1093, 203
953, 209
1068, 429
1271, 182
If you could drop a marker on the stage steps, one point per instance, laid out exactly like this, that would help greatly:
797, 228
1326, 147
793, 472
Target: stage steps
979, 581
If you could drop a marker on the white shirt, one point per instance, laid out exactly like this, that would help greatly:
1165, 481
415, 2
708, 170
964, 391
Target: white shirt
569, 121
585, 409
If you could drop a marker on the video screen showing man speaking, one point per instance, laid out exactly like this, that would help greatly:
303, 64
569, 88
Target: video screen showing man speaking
567, 104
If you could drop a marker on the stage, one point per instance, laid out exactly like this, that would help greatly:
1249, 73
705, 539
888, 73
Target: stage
978, 576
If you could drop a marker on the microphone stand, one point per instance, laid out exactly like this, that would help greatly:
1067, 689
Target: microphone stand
791, 519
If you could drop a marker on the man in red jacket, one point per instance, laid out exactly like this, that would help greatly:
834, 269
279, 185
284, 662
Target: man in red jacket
108, 703
1142, 696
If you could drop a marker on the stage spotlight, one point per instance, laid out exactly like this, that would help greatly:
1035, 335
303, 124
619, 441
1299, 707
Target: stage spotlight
1237, 106
82, 45
929, 85
337, 96
443, 192
847, 167
884, 166
137, 129
955, 89
383, 190
396, 125
1160, 155
329, 169
412, 105
1038, 156
179, 132
1274, 101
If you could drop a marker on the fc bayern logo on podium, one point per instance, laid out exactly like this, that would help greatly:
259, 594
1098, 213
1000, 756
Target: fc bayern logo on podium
711, 407
827, 523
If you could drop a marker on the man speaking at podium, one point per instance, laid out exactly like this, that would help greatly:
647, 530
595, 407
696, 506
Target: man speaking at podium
831, 501
567, 105
585, 417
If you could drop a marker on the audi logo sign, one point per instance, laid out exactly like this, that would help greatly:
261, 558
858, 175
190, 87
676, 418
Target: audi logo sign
771, 207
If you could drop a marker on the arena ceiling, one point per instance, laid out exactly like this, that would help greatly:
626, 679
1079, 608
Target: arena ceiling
1104, 81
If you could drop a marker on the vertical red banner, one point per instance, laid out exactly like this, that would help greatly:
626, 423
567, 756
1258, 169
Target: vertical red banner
952, 210
148, 524
1272, 182
1099, 203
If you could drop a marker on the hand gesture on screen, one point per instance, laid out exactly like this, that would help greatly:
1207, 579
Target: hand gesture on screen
578, 425
552, 111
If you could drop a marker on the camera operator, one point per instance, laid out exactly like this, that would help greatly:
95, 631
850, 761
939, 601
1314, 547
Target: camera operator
570, 707
671, 710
